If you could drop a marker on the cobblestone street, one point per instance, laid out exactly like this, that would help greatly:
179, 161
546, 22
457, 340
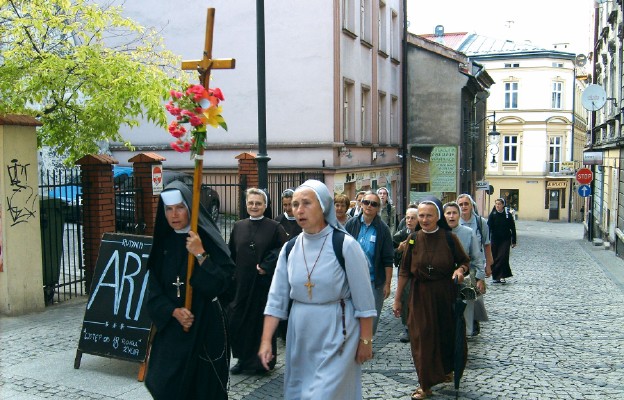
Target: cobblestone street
555, 332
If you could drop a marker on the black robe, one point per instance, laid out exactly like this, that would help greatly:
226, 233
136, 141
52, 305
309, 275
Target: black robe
193, 365
252, 242
291, 226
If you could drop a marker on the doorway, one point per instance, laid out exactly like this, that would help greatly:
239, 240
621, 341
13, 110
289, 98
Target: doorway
553, 205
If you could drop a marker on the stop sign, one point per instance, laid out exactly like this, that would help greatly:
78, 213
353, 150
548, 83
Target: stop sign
584, 176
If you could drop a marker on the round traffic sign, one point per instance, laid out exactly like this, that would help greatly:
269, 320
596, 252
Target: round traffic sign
584, 176
584, 190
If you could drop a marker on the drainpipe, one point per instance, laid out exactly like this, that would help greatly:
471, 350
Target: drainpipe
404, 150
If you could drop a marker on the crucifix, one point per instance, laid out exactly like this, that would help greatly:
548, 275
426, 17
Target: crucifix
203, 67
177, 283
309, 285
429, 269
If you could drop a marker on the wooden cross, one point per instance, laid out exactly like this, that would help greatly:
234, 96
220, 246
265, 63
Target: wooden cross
309, 285
207, 63
203, 66
178, 284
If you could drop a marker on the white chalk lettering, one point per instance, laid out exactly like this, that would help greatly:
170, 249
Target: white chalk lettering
133, 244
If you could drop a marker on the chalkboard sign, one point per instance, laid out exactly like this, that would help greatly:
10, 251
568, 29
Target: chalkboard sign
115, 322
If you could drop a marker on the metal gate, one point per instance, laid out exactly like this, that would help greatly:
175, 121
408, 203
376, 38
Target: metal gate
60, 200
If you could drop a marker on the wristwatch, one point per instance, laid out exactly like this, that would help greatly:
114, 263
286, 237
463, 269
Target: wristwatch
201, 257
366, 341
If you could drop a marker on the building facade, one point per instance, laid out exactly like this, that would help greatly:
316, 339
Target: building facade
333, 86
605, 139
535, 105
446, 103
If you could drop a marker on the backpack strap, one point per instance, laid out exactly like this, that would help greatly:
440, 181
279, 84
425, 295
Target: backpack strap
337, 241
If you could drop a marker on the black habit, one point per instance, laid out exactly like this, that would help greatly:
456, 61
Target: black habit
193, 365
252, 242
291, 226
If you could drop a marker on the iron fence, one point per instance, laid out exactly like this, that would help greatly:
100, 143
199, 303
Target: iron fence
280, 181
60, 194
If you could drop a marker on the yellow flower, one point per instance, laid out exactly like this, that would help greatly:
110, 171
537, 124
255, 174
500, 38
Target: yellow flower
212, 116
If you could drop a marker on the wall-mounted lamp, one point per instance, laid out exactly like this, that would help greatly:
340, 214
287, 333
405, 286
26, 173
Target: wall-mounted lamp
344, 151
493, 140
377, 153
493, 135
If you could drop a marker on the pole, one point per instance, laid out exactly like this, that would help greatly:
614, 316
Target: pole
571, 197
404, 137
263, 158
590, 203
204, 78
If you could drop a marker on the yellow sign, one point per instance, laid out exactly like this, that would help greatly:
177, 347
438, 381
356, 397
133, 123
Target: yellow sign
556, 185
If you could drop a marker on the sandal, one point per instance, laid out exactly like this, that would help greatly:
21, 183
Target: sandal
420, 394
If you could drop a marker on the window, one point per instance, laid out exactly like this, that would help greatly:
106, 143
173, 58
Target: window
382, 27
510, 65
557, 90
348, 15
382, 127
394, 120
348, 133
395, 40
365, 115
511, 197
510, 148
365, 20
554, 149
557, 65
511, 94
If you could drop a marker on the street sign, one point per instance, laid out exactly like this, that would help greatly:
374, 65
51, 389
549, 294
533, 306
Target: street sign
157, 179
483, 185
584, 176
584, 190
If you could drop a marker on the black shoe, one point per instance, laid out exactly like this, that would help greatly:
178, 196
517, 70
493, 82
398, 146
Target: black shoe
237, 369
404, 337
476, 328
496, 281
503, 281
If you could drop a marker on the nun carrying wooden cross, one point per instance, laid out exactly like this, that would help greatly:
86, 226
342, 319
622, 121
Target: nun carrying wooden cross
193, 364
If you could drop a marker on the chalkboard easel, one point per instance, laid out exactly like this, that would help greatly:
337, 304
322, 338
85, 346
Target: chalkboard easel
115, 324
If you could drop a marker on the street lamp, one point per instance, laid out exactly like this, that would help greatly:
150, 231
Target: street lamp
493, 138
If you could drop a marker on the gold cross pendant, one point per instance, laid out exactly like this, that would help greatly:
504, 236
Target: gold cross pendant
309, 285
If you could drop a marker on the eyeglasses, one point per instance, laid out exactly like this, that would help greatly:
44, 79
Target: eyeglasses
370, 203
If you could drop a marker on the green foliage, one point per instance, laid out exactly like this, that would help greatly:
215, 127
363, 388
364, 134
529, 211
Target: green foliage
82, 70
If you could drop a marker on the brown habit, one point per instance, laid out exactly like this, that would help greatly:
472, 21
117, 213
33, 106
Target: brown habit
431, 323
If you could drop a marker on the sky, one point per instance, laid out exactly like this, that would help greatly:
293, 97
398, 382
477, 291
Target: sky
543, 22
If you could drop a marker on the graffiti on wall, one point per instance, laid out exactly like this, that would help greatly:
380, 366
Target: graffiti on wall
21, 196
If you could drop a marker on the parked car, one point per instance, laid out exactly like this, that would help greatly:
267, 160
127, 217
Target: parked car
71, 193
125, 215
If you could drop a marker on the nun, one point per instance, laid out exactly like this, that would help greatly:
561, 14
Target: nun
193, 364
330, 324
433, 262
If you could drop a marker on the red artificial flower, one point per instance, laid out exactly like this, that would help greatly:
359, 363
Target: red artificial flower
175, 94
180, 146
216, 92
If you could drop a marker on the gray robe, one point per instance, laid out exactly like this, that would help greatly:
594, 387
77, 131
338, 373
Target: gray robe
315, 366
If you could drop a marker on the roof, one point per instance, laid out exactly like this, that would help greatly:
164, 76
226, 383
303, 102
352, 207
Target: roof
479, 46
452, 40
474, 44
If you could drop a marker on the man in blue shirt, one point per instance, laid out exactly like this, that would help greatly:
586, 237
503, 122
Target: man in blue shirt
374, 237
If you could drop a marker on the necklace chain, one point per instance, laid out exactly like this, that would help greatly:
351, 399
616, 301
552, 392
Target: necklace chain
309, 283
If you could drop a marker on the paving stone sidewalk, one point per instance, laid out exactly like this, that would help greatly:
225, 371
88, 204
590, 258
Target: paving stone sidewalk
555, 332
